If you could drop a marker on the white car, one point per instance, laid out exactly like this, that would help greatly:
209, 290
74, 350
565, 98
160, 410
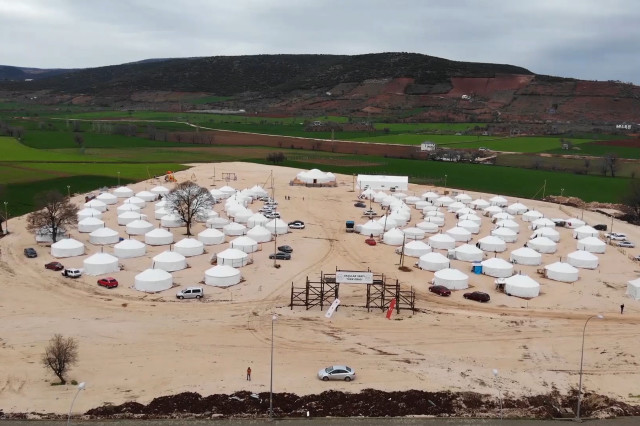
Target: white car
72, 273
616, 236
296, 224
626, 244
190, 293
337, 372
272, 215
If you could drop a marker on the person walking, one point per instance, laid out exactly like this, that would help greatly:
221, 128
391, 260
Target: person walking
249, 373
621, 308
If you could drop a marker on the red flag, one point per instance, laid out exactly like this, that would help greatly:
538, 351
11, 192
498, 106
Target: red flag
392, 305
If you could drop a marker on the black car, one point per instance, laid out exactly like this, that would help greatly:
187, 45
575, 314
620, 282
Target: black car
600, 227
285, 249
30, 252
440, 290
280, 256
478, 296
360, 204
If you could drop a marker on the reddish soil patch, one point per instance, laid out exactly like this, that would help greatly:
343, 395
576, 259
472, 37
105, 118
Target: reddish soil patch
485, 86
631, 143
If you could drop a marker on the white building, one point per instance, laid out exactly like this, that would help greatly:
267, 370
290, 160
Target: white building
379, 182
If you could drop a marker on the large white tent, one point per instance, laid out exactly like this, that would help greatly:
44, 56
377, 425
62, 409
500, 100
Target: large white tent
67, 248
189, 247
412, 200
244, 243
496, 267
370, 228
584, 232
222, 276
160, 190
415, 248
592, 245
158, 237
561, 271
387, 222
127, 208
90, 224
451, 279
429, 227
96, 204
547, 232
542, 245
430, 196
172, 221
505, 234
463, 198
469, 253
277, 226
491, 211
139, 227
499, 201
153, 281
480, 204
169, 261
531, 215
232, 257
147, 195
379, 182
89, 212
525, 256
521, 286
574, 223
393, 237
492, 243
104, 236
107, 198
582, 259
259, 233
137, 201
123, 192
502, 216
234, 229
542, 223
455, 207
126, 249
256, 219
517, 208
315, 176
433, 262
131, 216
444, 201
434, 219
228, 191
508, 223
205, 214
471, 217
100, 263
442, 241
413, 233
211, 236
633, 289
217, 222
161, 212
470, 226
459, 234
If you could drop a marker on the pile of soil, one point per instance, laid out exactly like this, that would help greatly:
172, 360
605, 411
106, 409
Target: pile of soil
367, 403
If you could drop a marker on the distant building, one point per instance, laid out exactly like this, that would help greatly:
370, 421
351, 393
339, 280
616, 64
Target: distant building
428, 146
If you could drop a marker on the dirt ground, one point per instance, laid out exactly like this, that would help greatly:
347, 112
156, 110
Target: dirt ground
135, 347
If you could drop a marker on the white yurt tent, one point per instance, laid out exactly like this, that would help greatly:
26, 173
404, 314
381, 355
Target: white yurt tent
244, 243
505, 234
434, 213
123, 208
531, 215
433, 262
315, 176
161, 204
139, 227
400, 217
217, 222
393, 237
434, 219
153, 281
211, 236
227, 191
90, 224
442, 242
89, 212
415, 248
492, 243
128, 217
158, 237
561, 271
542, 245
491, 211
472, 217
542, 223
160, 190
517, 208
100, 263
592, 245
507, 223
429, 227
429, 208
234, 228
259, 233
371, 228
217, 194
459, 234
67, 248
367, 194
399, 195
549, 233
633, 289
172, 221
96, 204
412, 200
584, 232
480, 204
499, 201
232, 257
502, 216
574, 223
430, 196
107, 198
103, 236
387, 223
421, 205
451, 279
222, 276
127, 249
521, 286
123, 192
465, 211
161, 212
135, 201
277, 226
470, 226
147, 195
582, 259
413, 233
256, 219
444, 201
189, 247
496, 267
469, 253
463, 198
169, 261
204, 215
455, 206
379, 196
525, 256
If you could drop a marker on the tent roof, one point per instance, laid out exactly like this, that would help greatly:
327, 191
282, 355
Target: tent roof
188, 243
434, 257
153, 275
158, 232
168, 256
496, 262
232, 253
101, 259
526, 252
451, 274
129, 244
103, 232
222, 271
468, 248
561, 267
67, 243
582, 255
442, 237
523, 281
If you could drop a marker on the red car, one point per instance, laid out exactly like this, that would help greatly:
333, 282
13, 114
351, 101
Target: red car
108, 282
370, 241
56, 266
440, 290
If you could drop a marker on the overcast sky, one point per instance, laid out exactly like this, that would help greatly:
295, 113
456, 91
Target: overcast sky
586, 39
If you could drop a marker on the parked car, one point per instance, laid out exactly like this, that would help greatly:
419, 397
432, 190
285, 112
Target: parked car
370, 213
296, 224
285, 249
55, 266
266, 209
108, 282
478, 296
370, 241
625, 244
30, 252
280, 256
440, 290
272, 215
360, 204
190, 293
600, 227
72, 273
337, 372
616, 236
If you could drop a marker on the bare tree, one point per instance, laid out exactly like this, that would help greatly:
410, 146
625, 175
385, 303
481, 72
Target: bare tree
187, 200
60, 354
54, 212
587, 164
632, 198
611, 161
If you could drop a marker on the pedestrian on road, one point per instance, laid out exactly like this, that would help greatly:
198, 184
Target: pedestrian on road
621, 308
249, 373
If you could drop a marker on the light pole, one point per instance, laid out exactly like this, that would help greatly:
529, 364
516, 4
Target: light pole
274, 317
445, 181
561, 192
599, 316
6, 218
68, 191
496, 385
118, 178
81, 387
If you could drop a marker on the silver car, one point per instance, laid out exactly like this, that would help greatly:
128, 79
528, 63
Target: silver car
191, 293
337, 372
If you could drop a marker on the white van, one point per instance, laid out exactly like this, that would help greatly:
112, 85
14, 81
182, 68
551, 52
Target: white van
191, 293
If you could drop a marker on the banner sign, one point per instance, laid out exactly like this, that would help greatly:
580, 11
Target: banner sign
354, 277
332, 308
